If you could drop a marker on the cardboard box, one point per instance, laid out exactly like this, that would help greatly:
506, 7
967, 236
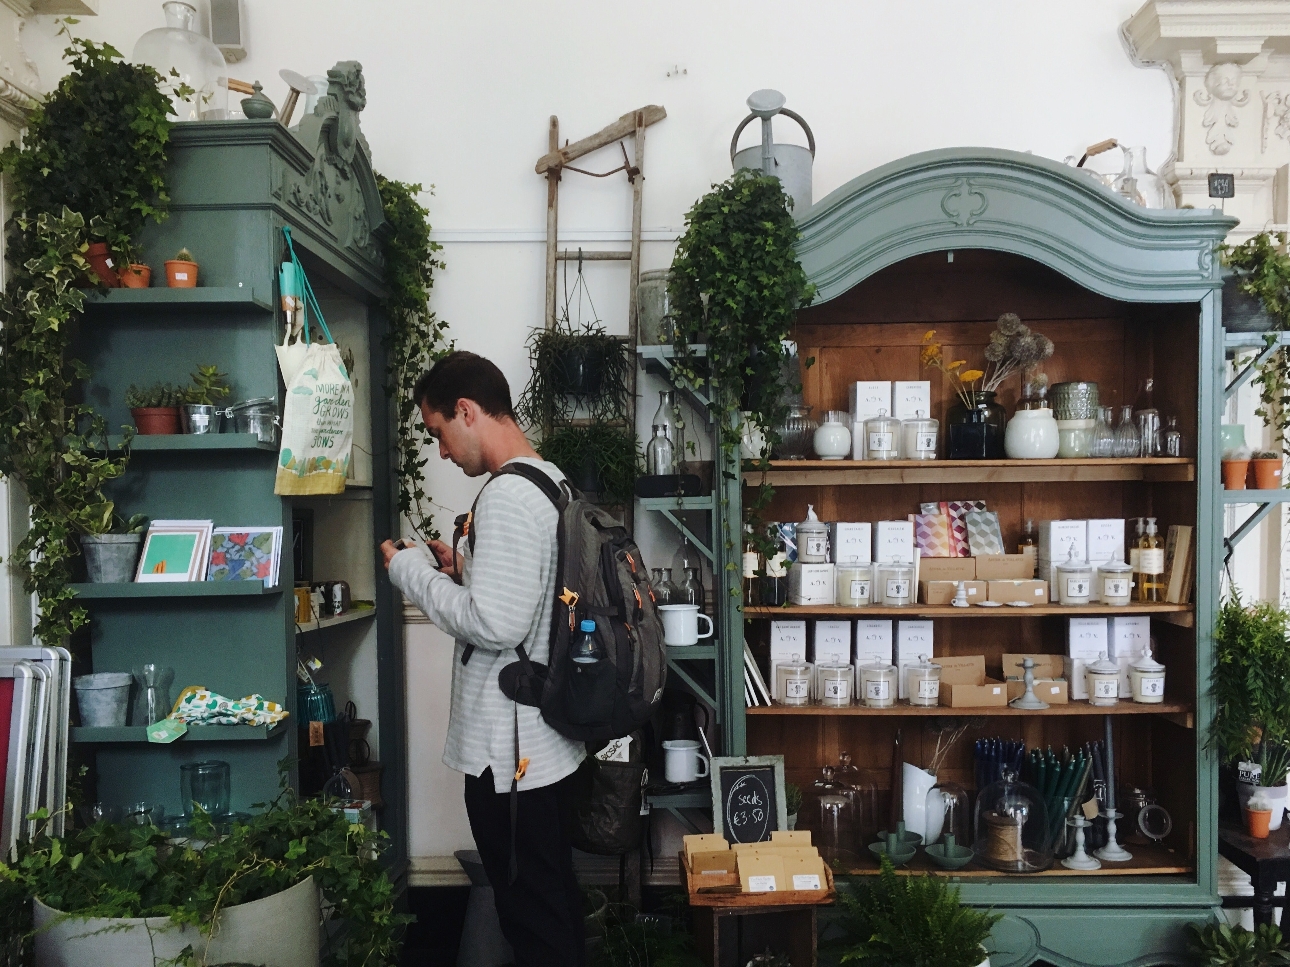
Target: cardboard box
869, 398
913, 638
909, 397
1005, 567
964, 685
875, 641
703, 843
947, 569
812, 584
1046, 666
1032, 592
1086, 641
760, 872
832, 642
712, 862
804, 873
787, 638
943, 592
894, 540
852, 543
1052, 691
791, 837
857, 441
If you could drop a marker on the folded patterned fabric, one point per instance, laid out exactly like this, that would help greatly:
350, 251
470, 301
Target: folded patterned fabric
983, 531
956, 511
931, 534
200, 706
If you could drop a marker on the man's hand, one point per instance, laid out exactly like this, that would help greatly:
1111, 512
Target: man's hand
388, 550
449, 562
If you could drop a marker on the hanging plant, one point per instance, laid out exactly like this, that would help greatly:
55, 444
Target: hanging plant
416, 340
736, 284
602, 458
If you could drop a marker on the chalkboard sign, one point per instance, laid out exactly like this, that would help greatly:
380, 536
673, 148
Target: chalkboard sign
748, 797
1222, 185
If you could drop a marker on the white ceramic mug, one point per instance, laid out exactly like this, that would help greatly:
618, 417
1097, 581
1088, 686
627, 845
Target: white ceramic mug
681, 624
683, 762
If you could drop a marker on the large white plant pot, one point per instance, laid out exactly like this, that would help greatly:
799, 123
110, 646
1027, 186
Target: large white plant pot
278, 931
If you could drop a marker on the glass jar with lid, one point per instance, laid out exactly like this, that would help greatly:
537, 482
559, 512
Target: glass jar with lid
185, 57
919, 437
895, 585
1115, 583
1074, 581
882, 437
948, 831
878, 685
1147, 678
1013, 834
854, 586
923, 679
832, 439
812, 539
834, 684
1103, 678
794, 682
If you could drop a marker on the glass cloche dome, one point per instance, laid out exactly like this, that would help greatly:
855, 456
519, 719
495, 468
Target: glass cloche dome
1012, 830
186, 59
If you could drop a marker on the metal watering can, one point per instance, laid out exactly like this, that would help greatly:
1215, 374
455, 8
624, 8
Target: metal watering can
790, 163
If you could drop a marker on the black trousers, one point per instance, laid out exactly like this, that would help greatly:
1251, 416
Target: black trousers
541, 912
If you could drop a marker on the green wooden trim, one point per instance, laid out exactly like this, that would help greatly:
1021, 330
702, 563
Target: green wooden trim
189, 442
986, 198
162, 298
195, 733
177, 589
691, 652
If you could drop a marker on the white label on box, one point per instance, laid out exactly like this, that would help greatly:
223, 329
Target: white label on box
914, 638
997, 690
1153, 686
925, 442
1130, 635
837, 688
869, 398
1115, 587
1105, 540
852, 543
1077, 587
897, 588
911, 397
929, 687
873, 641
1151, 560
859, 588
877, 689
806, 881
894, 541
1055, 690
1105, 689
761, 884
814, 583
817, 546
796, 687
787, 638
879, 441
1058, 537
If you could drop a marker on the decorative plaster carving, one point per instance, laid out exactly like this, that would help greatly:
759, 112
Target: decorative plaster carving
1205, 259
964, 203
1221, 97
1275, 109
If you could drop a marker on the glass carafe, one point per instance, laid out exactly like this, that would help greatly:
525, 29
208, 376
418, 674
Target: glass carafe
670, 589
205, 784
660, 457
692, 589
194, 60
1173, 446
667, 417
1127, 442
1138, 183
153, 703
1103, 444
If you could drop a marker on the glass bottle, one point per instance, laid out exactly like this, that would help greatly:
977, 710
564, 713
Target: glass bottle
1148, 419
670, 590
667, 417
1151, 565
1173, 446
752, 563
1103, 444
662, 595
692, 589
1127, 442
586, 650
196, 62
1138, 183
660, 457
1028, 537
1133, 549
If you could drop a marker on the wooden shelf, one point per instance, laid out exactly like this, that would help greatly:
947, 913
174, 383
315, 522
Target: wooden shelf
322, 624
188, 442
1150, 860
195, 733
178, 589
163, 297
841, 473
1182, 615
1180, 713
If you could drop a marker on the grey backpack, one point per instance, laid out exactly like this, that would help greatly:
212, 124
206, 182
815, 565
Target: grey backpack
600, 576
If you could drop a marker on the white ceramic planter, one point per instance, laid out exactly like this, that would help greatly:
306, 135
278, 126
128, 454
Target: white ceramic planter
918, 783
1031, 435
278, 931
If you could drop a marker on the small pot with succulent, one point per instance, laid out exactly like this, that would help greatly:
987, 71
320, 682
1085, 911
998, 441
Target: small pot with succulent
135, 275
112, 553
1236, 468
155, 409
1267, 470
181, 271
200, 413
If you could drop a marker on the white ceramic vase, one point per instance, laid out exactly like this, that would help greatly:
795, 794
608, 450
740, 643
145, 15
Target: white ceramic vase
753, 444
918, 783
1031, 435
832, 441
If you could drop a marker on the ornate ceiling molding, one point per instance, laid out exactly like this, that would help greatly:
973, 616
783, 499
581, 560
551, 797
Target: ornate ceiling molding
1234, 31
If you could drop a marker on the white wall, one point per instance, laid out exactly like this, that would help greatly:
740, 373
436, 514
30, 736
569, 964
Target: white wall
459, 95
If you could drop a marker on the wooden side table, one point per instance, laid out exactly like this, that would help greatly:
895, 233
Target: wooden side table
729, 936
1267, 861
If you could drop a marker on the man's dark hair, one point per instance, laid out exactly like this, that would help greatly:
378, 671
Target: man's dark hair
463, 375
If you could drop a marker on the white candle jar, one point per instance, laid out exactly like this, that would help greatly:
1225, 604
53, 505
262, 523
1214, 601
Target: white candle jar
832, 439
1103, 680
878, 685
834, 684
812, 539
882, 437
924, 682
794, 679
919, 438
1074, 581
854, 586
895, 585
1147, 678
1115, 583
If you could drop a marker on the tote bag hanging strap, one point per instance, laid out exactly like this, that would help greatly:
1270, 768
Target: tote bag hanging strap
310, 300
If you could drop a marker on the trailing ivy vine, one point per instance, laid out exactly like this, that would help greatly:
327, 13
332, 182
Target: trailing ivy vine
736, 285
416, 340
92, 164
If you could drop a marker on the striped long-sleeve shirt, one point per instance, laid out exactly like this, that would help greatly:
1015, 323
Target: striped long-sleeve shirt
505, 599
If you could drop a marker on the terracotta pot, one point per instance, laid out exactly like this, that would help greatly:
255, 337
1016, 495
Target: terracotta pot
1234, 472
136, 276
101, 262
1267, 474
181, 275
156, 420
1256, 821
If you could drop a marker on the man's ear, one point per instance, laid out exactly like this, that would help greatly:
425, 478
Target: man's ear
468, 410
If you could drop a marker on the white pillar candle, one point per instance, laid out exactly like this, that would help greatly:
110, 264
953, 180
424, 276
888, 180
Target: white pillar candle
878, 685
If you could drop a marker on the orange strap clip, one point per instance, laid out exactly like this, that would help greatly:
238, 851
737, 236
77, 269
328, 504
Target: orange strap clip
522, 768
570, 598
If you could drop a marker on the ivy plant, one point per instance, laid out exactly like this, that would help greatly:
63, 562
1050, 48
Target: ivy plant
417, 338
1251, 680
736, 285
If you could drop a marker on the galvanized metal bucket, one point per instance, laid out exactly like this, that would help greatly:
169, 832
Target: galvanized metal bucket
110, 558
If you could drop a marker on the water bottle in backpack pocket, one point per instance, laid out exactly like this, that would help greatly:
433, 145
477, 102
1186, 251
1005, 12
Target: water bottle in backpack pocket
592, 680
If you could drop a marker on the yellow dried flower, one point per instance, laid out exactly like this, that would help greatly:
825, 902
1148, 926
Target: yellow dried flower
957, 363
928, 335
970, 375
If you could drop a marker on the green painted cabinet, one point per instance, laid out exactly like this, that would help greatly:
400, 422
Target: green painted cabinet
948, 241
234, 185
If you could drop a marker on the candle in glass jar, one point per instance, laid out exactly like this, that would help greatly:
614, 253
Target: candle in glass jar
918, 437
878, 685
794, 680
1115, 583
1103, 677
834, 684
924, 681
895, 585
1147, 676
855, 586
882, 437
1074, 581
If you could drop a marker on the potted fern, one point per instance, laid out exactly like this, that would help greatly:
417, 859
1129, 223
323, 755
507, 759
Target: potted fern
908, 921
156, 408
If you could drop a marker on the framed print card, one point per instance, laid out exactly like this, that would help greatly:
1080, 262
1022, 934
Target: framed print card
175, 550
245, 554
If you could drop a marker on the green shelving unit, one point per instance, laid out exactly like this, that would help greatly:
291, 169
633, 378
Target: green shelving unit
234, 185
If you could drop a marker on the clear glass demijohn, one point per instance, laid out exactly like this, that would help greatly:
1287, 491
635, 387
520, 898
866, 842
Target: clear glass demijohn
186, 58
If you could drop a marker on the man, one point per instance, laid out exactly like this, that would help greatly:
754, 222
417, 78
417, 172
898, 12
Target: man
494, 598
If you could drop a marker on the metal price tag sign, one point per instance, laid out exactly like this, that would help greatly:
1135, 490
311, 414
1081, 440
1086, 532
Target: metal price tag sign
1222, 185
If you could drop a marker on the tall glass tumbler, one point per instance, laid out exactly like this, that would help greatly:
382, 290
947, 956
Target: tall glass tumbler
205, 784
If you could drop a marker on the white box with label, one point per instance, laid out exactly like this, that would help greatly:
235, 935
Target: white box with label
869, 398
832, 643
1057, 538
1086, 641
1129, 637
874, 641
811, 584
893, 540
852, 542
909, 397
787, 642
913, 639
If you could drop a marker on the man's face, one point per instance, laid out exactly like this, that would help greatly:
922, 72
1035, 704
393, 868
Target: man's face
458, 438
